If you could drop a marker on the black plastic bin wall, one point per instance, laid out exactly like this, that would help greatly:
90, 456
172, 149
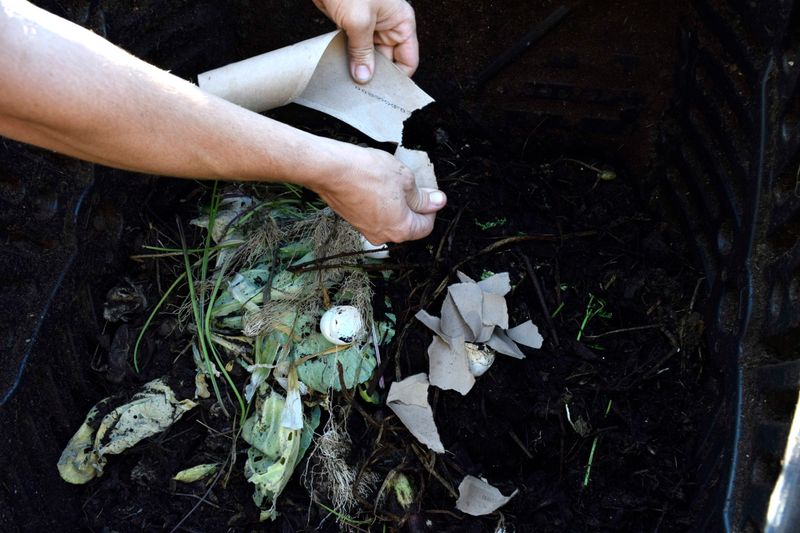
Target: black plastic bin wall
734, 187
725, 169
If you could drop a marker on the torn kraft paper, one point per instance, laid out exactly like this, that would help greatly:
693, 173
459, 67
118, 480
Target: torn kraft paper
315, 73
477, 497
409, 401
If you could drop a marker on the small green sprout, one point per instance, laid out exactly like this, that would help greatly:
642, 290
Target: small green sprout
486, 274
595, 307
591, 460
593, 449
489, 224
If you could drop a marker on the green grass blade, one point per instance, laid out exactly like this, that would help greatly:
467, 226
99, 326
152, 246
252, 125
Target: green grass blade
150, 318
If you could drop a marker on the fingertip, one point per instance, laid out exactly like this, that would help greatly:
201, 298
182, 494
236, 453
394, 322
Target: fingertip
437, 199
361, 73
427, 201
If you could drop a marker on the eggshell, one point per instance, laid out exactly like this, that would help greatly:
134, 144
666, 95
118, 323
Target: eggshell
341, 324
480, 359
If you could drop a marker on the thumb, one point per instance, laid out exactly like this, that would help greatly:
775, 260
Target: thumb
425, 201
361, 50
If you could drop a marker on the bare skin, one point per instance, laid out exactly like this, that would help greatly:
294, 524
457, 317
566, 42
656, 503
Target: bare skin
64, 88
386, 25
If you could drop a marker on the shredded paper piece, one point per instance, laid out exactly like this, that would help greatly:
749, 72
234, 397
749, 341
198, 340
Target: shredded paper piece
453, 372
409, 401
473, 312
420, 164
526, 333
476, 497
315, 73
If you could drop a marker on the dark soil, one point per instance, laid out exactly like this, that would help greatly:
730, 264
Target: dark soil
637, 385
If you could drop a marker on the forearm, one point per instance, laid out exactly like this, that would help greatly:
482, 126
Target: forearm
64, 88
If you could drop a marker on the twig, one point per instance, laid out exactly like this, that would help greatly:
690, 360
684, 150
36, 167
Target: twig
622, 330
200, 501
536, 285
508, 241
520, 443
450, 227
538, 31
694, 294
195, 496
431, 470
349, 397
370, 267
319, 261
444, 511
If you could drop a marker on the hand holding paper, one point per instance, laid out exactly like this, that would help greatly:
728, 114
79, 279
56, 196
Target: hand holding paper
385, 198
388, 24
378, 195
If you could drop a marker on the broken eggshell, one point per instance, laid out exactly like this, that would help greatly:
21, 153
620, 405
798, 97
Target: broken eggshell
374, 251
480, 358
341, 324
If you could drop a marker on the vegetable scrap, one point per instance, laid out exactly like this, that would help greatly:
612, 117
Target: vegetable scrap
263, 296
150, 411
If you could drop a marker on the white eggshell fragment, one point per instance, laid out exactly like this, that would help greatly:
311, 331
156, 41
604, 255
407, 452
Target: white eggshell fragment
480, 358
341, 324
375, 251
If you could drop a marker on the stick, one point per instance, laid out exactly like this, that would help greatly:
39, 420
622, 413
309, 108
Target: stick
520, 444
540, 295
623, 330
431, 470
538, 31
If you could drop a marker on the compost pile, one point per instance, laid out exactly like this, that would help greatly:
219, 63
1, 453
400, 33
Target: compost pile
595, 430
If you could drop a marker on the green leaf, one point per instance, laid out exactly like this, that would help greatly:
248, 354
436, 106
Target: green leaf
320, 372
275, 450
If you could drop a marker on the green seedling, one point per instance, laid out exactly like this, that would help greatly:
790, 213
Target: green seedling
484, 226
373, 398
595, 307
589, 463
202, 316
345, 519
150, 318
228, 244
591, 460
486, 274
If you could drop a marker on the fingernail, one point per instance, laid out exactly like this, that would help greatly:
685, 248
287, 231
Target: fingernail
437, 198
362, 73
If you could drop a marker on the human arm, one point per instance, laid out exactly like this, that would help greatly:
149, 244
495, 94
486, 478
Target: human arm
67, 89
386, 25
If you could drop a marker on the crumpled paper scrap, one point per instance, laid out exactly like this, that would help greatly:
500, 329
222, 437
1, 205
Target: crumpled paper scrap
420, 164
409, 401
315, 73
476, 497
473, 312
